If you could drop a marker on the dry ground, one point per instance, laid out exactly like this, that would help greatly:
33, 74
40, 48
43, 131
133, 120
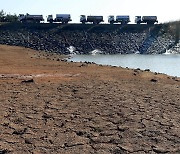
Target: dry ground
52, 106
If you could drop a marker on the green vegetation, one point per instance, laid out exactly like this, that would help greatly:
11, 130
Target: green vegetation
7, 17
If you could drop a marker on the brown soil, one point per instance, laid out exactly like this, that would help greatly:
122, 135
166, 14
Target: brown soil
51, 106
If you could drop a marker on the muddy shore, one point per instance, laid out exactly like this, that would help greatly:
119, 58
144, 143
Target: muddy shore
52, 106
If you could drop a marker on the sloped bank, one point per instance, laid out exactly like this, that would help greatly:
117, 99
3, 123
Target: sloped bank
83, 39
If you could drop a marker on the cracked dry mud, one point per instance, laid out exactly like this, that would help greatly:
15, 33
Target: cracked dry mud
85, 108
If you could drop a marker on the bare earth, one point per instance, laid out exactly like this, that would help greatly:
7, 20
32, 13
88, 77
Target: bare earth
51, 106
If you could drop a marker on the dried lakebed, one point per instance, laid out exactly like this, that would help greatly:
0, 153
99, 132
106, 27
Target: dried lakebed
103, 110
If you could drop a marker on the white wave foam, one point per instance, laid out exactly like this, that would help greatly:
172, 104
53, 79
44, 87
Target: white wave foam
96, 51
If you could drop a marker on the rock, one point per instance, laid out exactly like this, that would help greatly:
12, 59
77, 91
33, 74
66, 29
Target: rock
122, 128
175, 79
28, 141
3, 151
28, 81
155, 73
20, 131
147, 70
153, 80
160, 150
118, 150
84, 64
80, 133
47, 116
137, 69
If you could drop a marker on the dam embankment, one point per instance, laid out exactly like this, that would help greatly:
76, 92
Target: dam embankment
83, 39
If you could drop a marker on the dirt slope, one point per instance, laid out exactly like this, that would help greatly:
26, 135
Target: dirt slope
51, 106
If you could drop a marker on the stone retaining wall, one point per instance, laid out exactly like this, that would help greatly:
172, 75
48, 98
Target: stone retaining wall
109, 39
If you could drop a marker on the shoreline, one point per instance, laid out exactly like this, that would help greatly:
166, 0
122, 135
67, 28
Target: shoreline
91, 59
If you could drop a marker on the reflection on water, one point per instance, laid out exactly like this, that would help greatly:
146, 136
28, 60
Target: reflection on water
168, 64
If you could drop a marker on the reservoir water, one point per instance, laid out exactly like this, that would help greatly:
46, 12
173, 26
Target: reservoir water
165, 63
